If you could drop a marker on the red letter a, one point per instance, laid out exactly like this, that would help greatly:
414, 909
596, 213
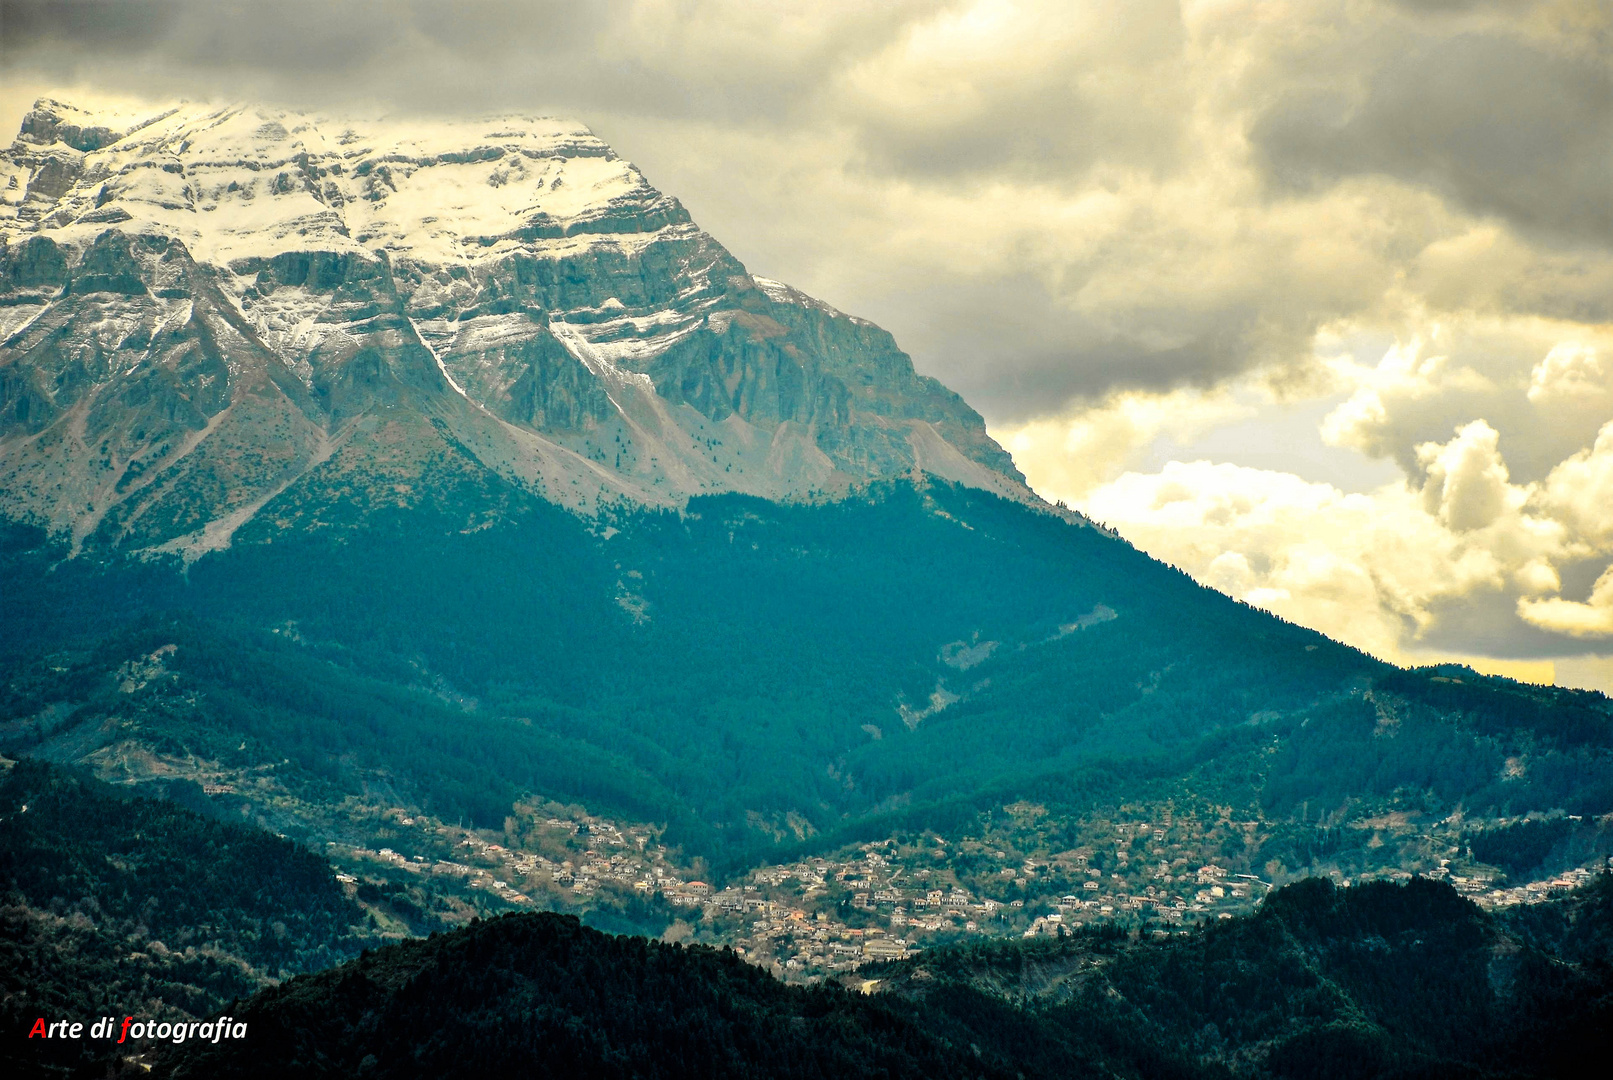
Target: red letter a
39, 1029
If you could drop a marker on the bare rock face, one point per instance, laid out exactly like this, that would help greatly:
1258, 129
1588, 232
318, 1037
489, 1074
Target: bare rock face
210, 316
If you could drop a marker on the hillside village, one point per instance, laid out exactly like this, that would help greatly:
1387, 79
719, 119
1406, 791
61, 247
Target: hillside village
825, 915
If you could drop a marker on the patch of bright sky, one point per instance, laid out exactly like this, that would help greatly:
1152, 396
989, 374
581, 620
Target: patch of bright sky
1277, 436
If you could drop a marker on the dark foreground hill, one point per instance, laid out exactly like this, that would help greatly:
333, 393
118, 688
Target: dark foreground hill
543, 996
111, 904
1379, 980
1323, 982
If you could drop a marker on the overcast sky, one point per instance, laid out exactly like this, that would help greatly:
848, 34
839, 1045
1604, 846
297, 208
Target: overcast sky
1310, 298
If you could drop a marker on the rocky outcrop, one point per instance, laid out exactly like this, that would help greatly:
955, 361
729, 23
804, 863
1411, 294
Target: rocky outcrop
212, 315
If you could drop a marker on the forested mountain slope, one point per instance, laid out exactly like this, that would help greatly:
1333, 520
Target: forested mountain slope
757, 674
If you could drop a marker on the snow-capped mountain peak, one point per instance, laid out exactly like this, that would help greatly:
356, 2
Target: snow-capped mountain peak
213, 313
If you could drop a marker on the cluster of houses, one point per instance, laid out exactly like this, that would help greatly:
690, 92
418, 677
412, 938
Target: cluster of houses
878, 900
1485, 893
810, 917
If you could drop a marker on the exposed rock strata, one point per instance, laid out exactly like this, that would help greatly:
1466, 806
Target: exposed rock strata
215, 315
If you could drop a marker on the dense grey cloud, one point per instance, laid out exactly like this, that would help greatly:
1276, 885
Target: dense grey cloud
1075, 89
1506, 126
966, 322
482, 55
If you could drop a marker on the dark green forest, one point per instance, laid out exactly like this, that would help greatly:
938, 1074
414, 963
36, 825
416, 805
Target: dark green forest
1520, 847
743, 661
1322, 982
110, 903
541, 995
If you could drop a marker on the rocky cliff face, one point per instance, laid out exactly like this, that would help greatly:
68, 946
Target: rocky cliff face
210, 316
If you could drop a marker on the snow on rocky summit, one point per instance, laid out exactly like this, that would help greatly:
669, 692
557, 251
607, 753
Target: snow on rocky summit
219, 315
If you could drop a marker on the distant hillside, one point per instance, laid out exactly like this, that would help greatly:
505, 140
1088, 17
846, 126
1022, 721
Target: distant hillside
758, 676
112, 904
1381, 980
